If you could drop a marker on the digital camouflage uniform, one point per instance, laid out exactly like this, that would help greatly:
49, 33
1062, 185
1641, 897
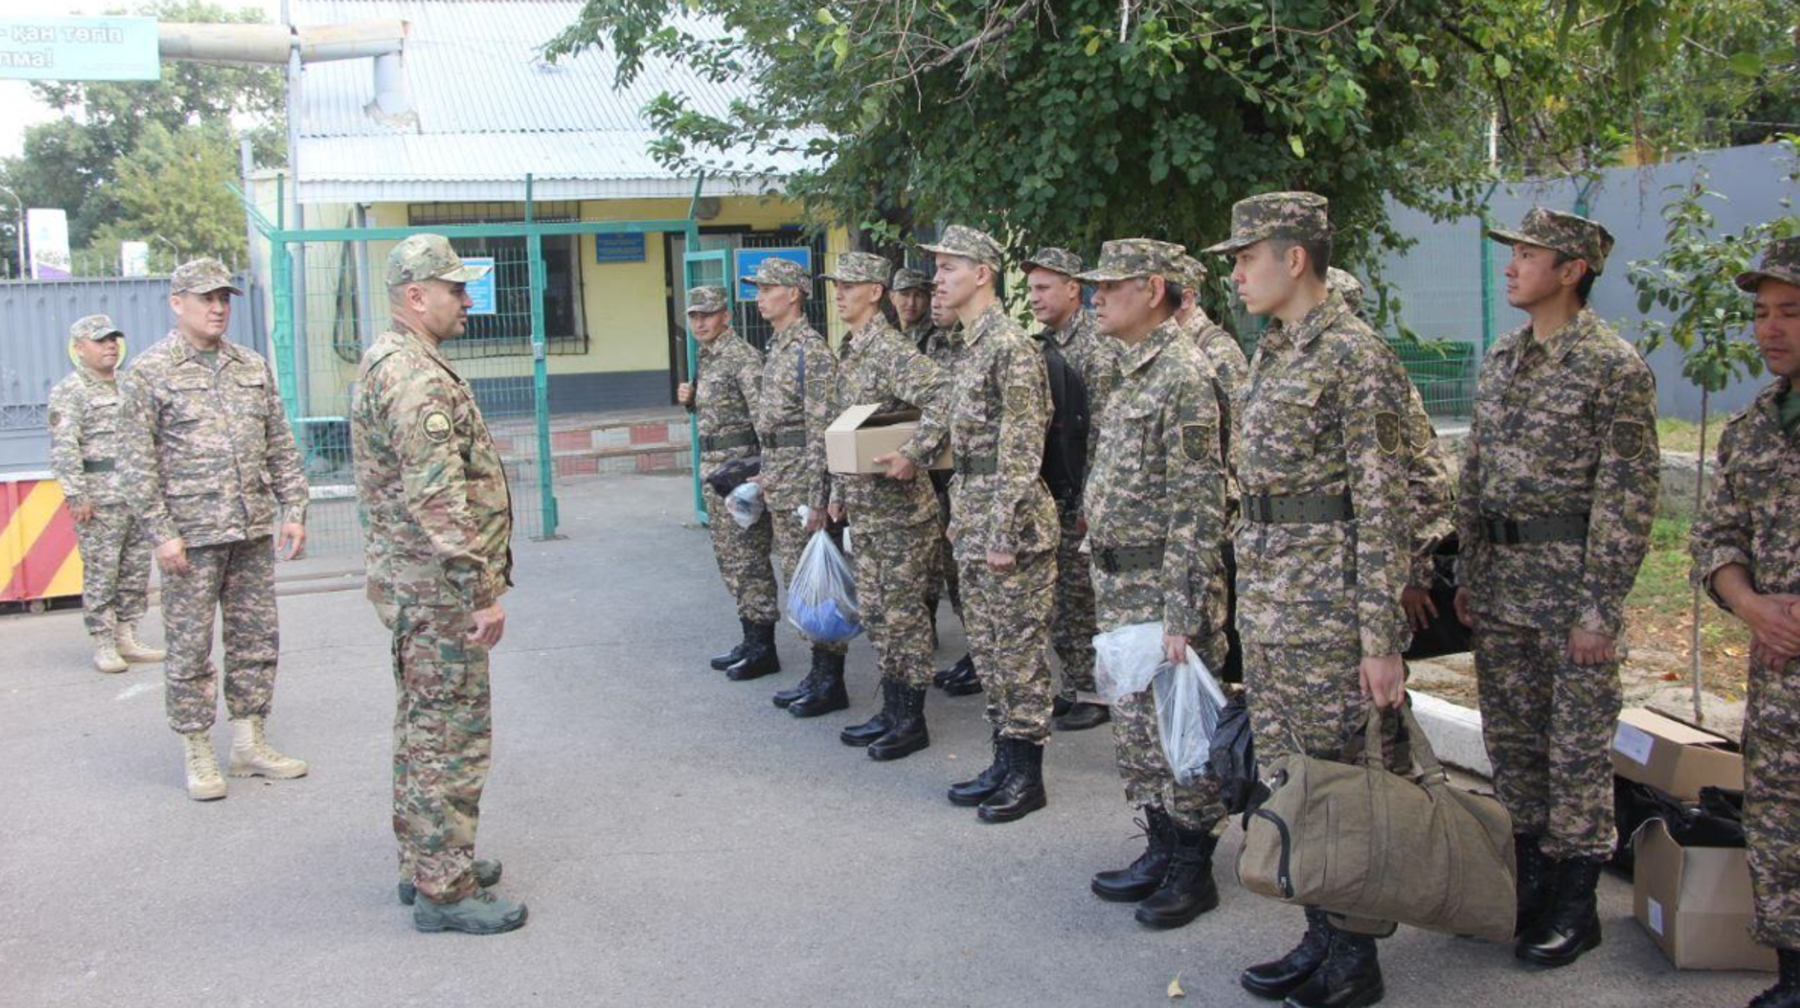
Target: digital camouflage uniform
1155, 505
944, 347
206, 456
893, 523
1562, 443
84, 453
791, 416
1750, 520
727, 383
438, 549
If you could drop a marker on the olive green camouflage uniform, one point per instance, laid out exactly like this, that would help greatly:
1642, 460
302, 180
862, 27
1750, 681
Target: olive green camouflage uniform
206, 456
1564, 431
438, 549
944, 347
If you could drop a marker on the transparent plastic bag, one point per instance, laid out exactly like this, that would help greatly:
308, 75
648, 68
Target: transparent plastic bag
1126, 659
745, 504
822, 593
1188, 706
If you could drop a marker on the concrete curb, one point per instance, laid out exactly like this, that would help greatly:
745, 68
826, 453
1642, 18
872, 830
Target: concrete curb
1455, 733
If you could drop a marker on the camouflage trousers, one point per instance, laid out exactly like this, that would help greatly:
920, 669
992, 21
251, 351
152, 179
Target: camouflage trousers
238, 580
1548, 725
1072, 626
1144, 766
941, 580
744, 563
1772, 801
790, 542
443, 743
1006, 615
115, 569
892, 566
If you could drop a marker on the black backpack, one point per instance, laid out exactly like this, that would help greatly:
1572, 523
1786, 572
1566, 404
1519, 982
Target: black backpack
1065, 444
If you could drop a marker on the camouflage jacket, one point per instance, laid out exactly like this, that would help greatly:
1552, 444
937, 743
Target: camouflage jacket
919, 334
1563, 426
207, 454
1221, 350
1429, 489
943, 346
1322, 415
1749, 517
727, 387
1159, 480
798, 372
999, 416
430, 480
882, 366
1094, 356
84, 428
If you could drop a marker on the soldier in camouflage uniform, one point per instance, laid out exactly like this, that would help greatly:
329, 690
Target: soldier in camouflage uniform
799, 370
206, 457
943, 344
438, 549
1321, 541
911, 298
84, 452
1746, 546
1055, 299
1559, 484
1002, 521
1155, 506
893, 515
723, 392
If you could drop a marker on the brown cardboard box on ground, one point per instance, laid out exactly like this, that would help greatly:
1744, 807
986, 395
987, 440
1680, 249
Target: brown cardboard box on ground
1695, 902
1673, 756
857, 436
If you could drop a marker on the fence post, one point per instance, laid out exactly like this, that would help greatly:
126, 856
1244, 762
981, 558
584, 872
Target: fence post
540, 373
281, 332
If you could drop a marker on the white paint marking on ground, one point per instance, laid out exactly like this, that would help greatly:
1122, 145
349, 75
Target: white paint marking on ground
135, 689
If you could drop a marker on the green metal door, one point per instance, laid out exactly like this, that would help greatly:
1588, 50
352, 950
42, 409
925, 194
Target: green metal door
702, 269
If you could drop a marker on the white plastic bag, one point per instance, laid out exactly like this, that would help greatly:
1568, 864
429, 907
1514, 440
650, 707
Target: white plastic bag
1188, 705
745, 504
822, 593
1126, 659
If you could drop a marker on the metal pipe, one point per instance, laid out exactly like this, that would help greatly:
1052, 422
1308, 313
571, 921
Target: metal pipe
271, 45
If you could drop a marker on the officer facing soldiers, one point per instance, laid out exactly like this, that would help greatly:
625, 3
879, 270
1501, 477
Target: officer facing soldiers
943, 344
1155, 507
893, 515
1559, 484
438, 548
1069, 332
207, 457
84, 452
1321, 544
1002, 521
1746, 546
791, 416
724, 389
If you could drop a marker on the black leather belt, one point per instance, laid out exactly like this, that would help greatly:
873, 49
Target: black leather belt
1556, 528
793, 437
1126, 559
1297, 509
976, 466
720, 442
97, 465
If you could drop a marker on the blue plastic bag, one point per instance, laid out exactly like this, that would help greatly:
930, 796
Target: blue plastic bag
822, 593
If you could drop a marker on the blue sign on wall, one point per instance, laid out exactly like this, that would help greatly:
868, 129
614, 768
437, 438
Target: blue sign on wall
748, 258
78, 48
481, 292
619, 248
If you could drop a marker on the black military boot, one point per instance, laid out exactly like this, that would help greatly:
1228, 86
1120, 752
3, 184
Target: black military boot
1276, 980
1022, 793
813, 680
827, 694
1786, 992
908, 734
759, 658
721, 662
973, 792
877, 726
1140, 878
1187, 890
1069, 714
1570, 925
1349, 978
1533, 882
960, 679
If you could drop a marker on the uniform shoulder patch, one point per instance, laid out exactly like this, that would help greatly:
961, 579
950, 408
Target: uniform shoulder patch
1387, 432
1419, 433
436, 424
1629, 439
1199, 441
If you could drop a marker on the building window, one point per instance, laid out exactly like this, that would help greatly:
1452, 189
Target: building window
507, 332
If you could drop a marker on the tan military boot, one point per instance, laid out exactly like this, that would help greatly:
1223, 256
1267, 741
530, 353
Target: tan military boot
133, 650
203, 780
252, 756
106, 654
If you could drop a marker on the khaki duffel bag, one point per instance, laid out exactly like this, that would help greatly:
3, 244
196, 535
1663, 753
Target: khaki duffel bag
1359, 841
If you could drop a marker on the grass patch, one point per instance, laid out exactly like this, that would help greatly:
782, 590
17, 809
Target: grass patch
1660, 610
1684, 435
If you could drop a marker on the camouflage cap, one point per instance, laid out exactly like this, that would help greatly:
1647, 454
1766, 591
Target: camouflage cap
775, 271
1293, 216
1347, 286
1780, 261
202, 276
970, 244
706, 300
1193, 271
907, 278
1130, 258
1575, 237
1055, 260
861, 267
429, 257
94, 327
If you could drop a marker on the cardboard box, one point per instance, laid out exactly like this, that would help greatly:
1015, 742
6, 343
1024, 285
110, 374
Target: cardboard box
1673, 756
861, 433
1695, 902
